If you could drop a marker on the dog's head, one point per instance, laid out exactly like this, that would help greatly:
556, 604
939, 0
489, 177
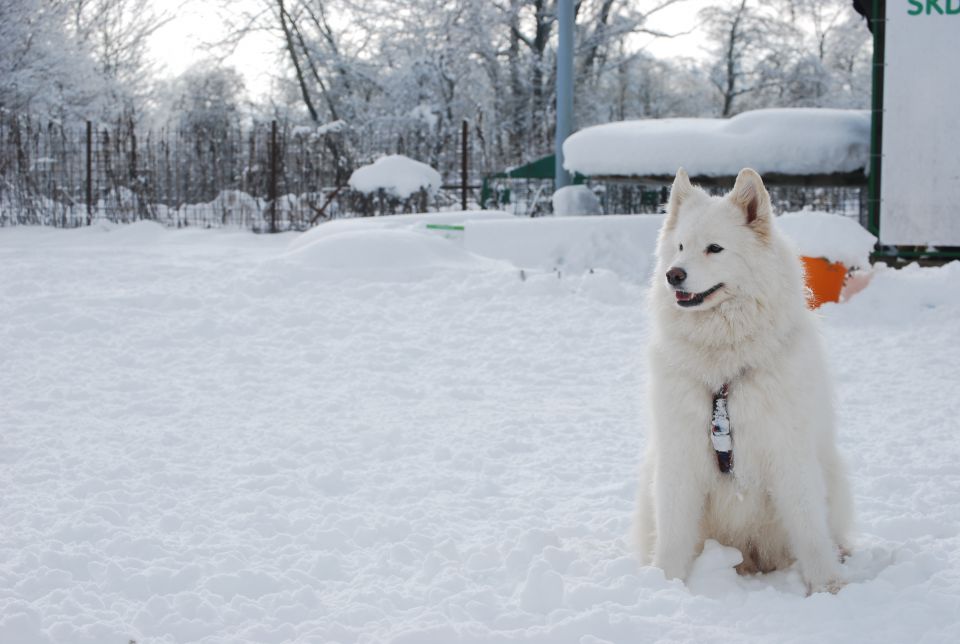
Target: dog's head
711, 248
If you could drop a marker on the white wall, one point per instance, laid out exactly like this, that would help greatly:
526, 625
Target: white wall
920, 180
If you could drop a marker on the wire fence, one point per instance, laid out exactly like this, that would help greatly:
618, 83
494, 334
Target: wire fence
265, 176
274, 176
532, 197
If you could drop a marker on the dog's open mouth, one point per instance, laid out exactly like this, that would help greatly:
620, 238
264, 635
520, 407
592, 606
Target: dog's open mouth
695, 299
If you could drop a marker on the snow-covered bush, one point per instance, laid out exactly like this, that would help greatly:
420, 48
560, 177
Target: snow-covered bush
397, 175
576, 200
393, 183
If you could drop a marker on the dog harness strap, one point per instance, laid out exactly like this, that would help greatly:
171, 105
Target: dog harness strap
720, 431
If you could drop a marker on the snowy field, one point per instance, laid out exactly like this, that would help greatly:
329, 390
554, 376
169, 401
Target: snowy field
221, 437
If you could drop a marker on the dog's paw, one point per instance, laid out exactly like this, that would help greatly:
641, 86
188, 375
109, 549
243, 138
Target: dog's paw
845, 552
674, 567
832, 586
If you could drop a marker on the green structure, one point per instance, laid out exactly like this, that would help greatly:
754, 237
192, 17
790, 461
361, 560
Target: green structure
498, 189
529, 187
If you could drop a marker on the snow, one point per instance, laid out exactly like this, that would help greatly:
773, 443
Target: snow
396, 174
623, 244
313, 131
212, 436
576, 200
781, 140
835, 237
425, 114
301, 131
386, 252
332, 126
414, 222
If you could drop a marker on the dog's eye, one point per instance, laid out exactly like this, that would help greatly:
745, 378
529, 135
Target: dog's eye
714, 248
681, 246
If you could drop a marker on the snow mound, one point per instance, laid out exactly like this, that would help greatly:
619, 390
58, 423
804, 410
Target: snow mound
414, 222
386, 250
138, 231
624, 244
823, 234
120, 199
396, 174
576, 200
905, 297
713, 572
236, 203
784, 140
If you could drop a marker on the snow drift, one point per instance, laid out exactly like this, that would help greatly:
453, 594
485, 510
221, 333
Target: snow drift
575, 200
623, 244
834, 237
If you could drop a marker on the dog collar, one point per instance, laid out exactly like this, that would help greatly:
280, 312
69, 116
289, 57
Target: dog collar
720, 431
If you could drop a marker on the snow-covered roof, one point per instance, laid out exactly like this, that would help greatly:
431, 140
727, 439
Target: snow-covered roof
397, 174
795, 141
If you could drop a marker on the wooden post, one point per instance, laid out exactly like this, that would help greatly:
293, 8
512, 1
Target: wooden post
134, 184
272, 191
89, 172
133, 154
463, 165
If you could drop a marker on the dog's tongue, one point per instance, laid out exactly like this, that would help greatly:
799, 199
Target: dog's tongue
683, 296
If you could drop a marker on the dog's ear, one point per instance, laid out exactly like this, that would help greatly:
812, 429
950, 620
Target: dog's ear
680, 190
752, 198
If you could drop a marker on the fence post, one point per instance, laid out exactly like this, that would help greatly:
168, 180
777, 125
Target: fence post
463, 165
134, 184
272, 192
89, 172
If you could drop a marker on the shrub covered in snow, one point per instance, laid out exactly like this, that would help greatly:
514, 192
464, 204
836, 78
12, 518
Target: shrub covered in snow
392, 184
397, 175
576, 200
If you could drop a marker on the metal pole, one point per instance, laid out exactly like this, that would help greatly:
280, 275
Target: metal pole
273, 177
878, 20
89, 172
564, 87
463, 165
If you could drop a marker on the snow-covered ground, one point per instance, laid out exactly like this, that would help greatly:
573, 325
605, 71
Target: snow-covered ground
220, 437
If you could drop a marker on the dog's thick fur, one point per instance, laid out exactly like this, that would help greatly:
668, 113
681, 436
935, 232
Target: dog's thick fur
787, 498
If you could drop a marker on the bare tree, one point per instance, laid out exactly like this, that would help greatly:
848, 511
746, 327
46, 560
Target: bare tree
44, 68
117, 33
755, 51
403, 76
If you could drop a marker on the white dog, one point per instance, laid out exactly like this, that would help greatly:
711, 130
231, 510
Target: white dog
742, 447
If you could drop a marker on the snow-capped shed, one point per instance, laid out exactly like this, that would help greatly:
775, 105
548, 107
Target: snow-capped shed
788, 146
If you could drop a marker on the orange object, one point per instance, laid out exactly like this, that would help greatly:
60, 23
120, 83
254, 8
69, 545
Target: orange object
824, 279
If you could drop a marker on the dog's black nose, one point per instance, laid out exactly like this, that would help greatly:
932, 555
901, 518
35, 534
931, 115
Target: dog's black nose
676, 276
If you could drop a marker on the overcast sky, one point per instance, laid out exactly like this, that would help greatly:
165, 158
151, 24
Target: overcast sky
180, 42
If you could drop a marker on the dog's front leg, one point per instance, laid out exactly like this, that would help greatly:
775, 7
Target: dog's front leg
800, 497
678, 501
